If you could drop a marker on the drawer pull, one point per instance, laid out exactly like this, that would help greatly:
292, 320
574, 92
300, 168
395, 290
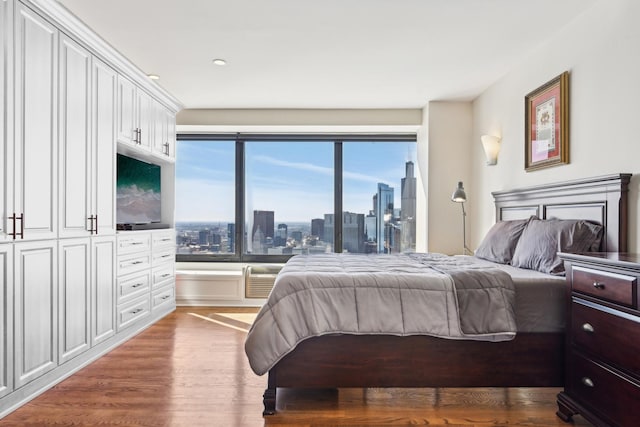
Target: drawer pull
598, 285
138, 310
166, 297
137, 243
166, 275
136, 262
166, 239
137, 285
587, 327
587, 381
166, 256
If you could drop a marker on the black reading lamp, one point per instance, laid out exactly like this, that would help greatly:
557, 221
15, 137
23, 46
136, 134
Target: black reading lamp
459, 196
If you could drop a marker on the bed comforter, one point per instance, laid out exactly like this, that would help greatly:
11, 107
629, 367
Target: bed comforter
398, 294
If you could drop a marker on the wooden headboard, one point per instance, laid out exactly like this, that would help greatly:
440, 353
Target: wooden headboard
602, 199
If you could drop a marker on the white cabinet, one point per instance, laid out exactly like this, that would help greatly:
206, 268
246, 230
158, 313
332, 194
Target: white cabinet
103, 282
135, 116
36, 314
34, 180
74, 114
6, 112
6, 319
74, 297
87, 141
164, 133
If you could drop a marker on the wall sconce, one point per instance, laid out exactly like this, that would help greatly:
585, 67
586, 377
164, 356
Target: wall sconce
491, 145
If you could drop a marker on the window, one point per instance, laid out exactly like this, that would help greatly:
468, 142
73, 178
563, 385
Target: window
253, 198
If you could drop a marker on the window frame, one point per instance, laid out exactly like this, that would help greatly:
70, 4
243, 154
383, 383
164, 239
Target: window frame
240, 140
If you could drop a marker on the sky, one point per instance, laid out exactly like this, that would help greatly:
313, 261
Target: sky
293, 179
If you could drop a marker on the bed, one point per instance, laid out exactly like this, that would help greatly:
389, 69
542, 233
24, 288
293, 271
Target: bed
533, 358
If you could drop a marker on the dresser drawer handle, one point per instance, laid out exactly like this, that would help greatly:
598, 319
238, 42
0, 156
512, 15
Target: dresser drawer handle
587, 327
598, 285
166, 297
136, 262
137, 285
587, 381
166, 275
138, 310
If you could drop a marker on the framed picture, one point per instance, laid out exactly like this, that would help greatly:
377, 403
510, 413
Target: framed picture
546, 112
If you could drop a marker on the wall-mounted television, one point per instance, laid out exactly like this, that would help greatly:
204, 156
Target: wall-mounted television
137, 192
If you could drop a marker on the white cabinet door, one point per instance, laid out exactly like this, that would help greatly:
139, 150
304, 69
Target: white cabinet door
74, 136
35, 150
6, 319
74, 256
104, 147
145, 116
6, 115
164, 135
127, 122
36, 315
103, 288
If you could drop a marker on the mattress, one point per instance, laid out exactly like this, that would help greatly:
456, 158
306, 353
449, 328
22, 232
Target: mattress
540, 298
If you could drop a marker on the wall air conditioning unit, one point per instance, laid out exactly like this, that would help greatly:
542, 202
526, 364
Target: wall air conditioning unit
259, 280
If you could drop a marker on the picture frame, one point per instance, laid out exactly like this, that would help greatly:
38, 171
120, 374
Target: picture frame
547, 124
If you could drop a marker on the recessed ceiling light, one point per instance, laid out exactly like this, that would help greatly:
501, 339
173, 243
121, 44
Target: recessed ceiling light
153, 76
219, 61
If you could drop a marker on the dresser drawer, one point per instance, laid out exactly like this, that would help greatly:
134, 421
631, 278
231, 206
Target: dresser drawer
612, 396
133, 242
130, 287
611, 336
129, 313
163, 274
163, 297
163, 256
134, 262
618, 288
163, 238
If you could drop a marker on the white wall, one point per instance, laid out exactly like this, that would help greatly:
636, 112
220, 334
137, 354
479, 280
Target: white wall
449, 161
600, 50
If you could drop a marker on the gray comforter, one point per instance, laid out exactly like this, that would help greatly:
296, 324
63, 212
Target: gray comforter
399, 294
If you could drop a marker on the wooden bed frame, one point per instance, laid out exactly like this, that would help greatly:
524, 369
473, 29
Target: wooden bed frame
530, 360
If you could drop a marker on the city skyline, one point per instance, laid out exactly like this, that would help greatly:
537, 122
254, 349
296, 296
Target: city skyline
293, 179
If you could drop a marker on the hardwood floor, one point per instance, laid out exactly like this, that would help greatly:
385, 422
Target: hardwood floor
190, 370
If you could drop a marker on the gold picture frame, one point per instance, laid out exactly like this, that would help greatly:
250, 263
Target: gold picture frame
546, 112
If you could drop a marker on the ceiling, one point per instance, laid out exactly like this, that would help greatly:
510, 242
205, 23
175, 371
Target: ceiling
329, 53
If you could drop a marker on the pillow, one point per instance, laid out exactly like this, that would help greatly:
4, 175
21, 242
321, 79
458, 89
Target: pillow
501, 240
541, 240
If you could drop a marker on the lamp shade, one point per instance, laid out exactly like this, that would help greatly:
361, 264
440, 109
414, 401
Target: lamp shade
491, 145
459, 195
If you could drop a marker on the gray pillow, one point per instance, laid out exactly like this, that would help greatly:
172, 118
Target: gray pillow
541, 240
501, 240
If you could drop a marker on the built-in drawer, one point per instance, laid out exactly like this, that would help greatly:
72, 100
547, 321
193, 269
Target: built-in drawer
163, 238
134, 262
163, 274
129, 242
613, 396
163, 296
163, 256
130, 287
131, 312
618, 288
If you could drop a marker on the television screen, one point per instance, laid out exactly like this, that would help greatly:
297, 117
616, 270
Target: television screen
137, 191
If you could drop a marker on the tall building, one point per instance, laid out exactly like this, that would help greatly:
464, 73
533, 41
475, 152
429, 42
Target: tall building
328, 228
264, 221
231, 237
353, 236
383, 201
281, 236
317, 227
203, 237
408, 210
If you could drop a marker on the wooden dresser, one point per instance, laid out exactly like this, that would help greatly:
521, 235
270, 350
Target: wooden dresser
602, 377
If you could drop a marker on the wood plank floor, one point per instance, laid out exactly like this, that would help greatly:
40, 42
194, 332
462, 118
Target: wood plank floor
190, 370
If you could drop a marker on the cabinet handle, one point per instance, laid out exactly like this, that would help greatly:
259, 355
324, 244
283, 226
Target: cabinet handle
165, 150
136, 262
166, 239
96, 218
587, 381
93, 228
166, 297
139, 136
166, 275
588, 328
598, 285
137, 285
13, 219
136, 311
136, 243
166, 256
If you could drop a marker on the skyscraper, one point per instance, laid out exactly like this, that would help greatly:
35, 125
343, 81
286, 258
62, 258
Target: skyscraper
317, 227
353, 232
281, 236
264, 221
408, 210
384, 214
231, 237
